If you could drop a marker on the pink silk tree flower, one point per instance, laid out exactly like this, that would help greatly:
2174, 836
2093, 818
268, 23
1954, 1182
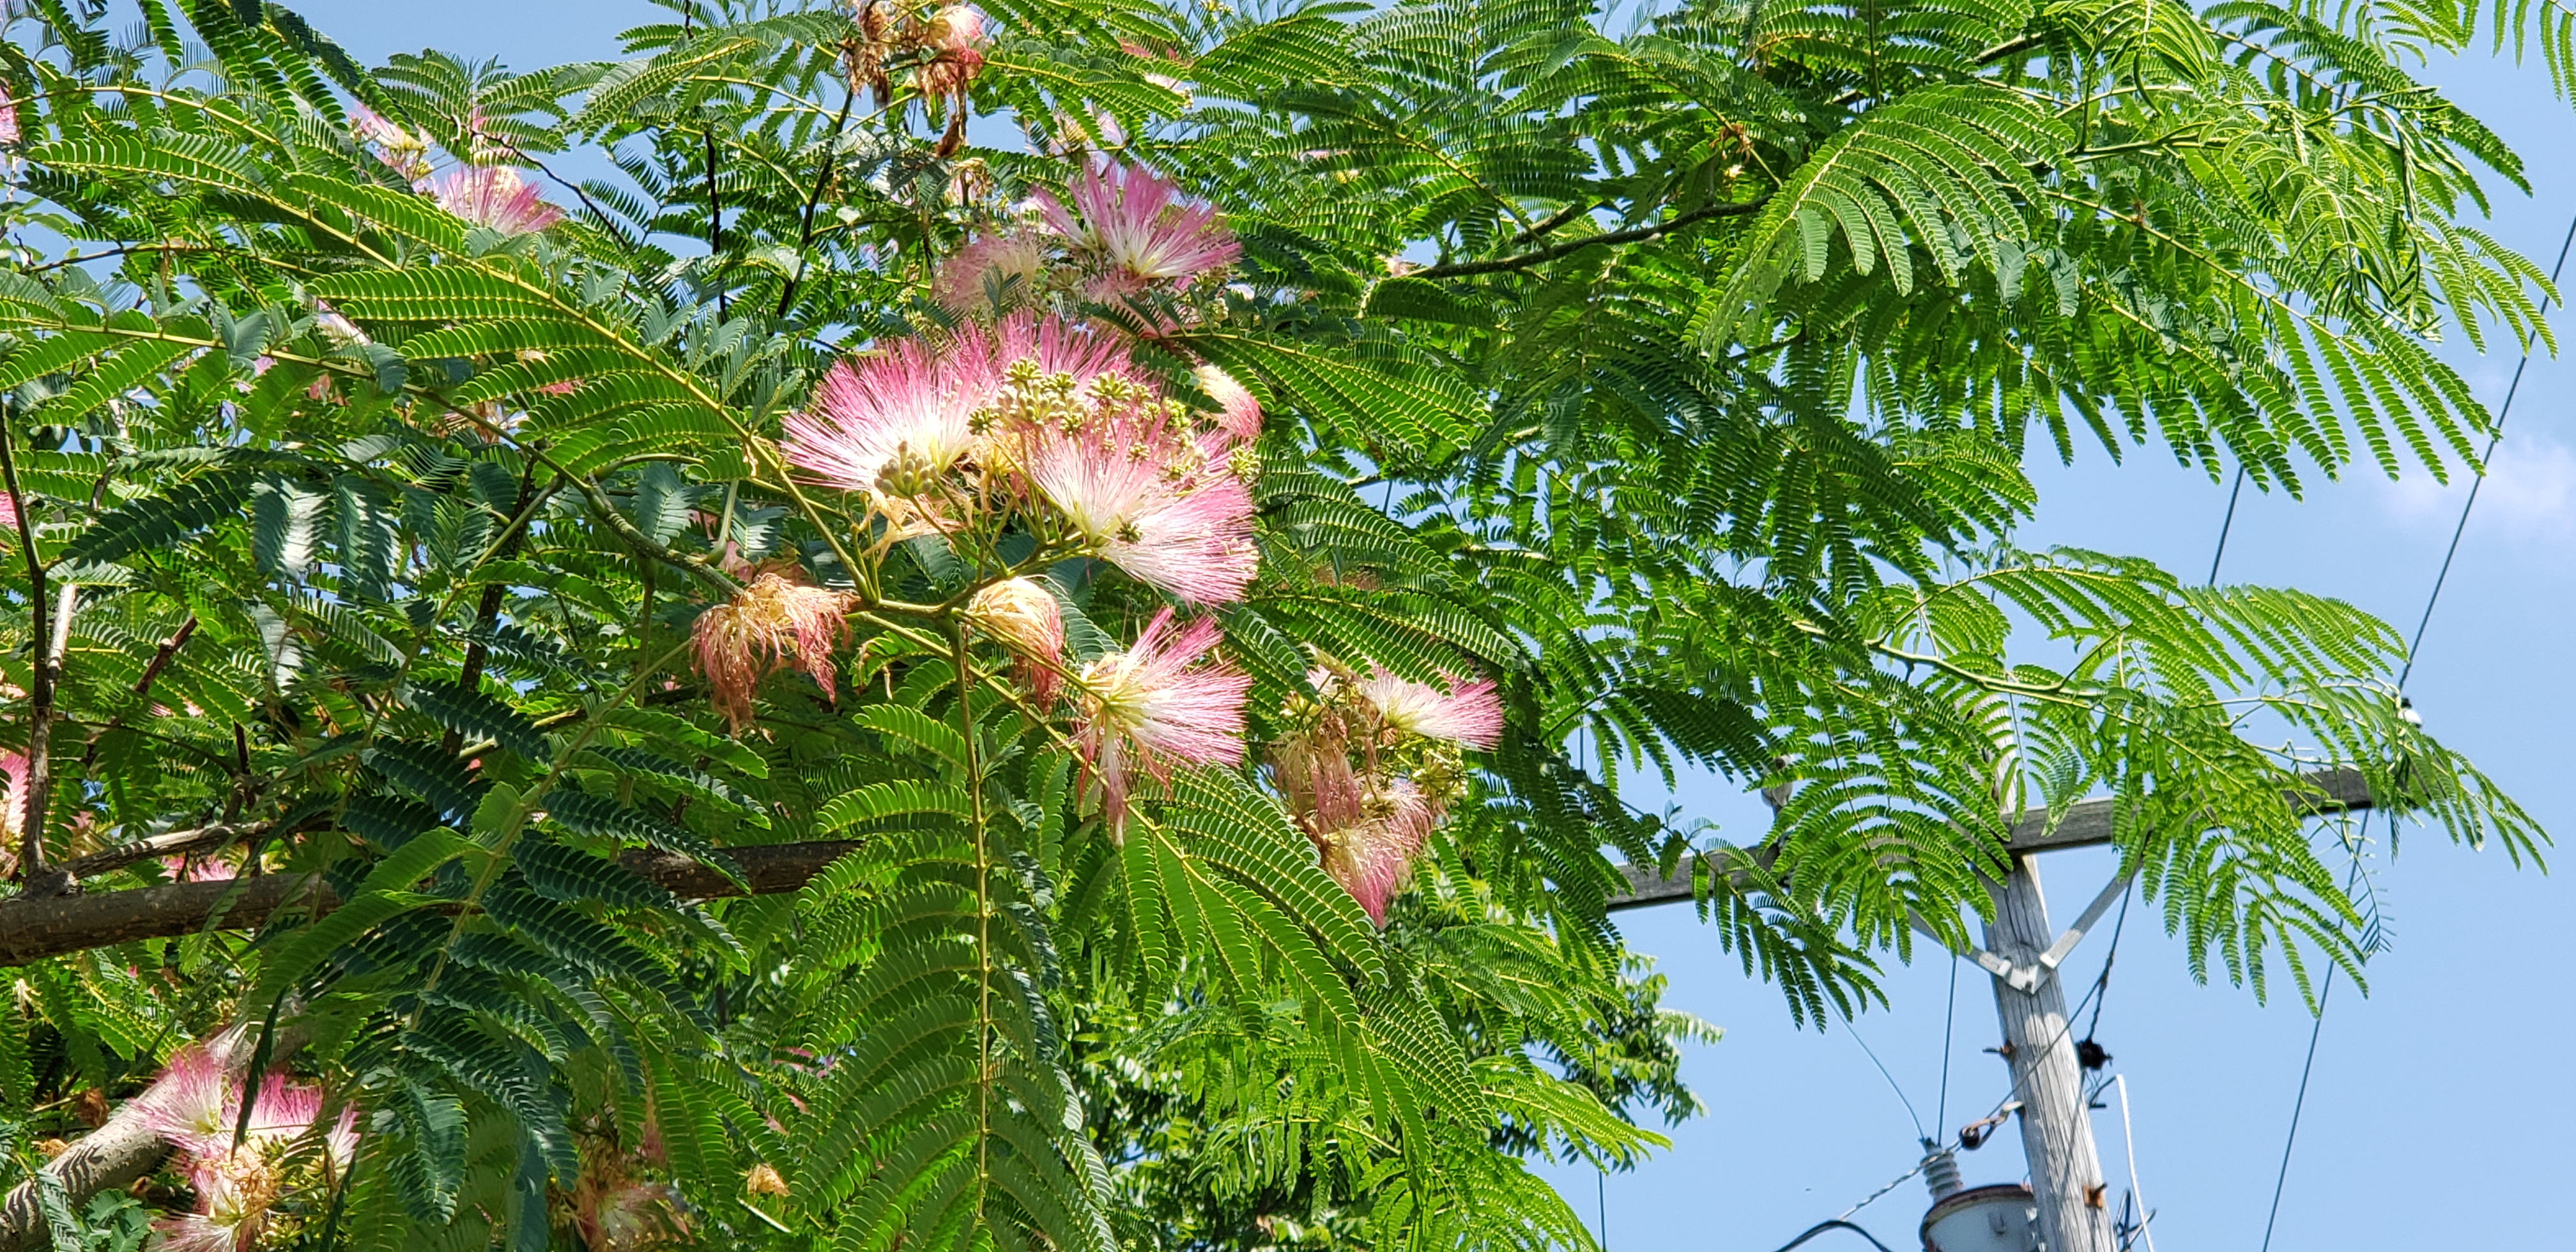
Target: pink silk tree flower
340, 1142
772, 623
400, 150
1026, 619
1238, 413
494, 197
1153, 706
1138, 489
226, 1225
1469, 713
9, 133
1056, 346
1316, 779
372, 127
954, 38
283, 1112
1373, 858
1136, 225
234, 1194
896, 423
967, 281
192, 1105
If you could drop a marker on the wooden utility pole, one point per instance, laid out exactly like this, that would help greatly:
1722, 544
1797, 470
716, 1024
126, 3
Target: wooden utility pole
2023, 953
2056, 1127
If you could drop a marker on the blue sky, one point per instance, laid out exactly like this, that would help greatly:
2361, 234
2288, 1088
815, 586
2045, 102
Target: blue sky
2435, 1118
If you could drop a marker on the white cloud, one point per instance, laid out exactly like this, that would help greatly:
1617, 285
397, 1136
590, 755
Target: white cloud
2530, 494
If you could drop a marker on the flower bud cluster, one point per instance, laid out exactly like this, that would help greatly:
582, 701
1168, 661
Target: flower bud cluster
1372, 764
944, 46
481, 190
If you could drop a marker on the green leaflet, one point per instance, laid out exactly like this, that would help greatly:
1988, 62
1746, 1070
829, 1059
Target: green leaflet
477, 715
383, 894
161, 521
893, 799
600, 816
428, 774
569, 876
1399, 402
287, 526
114, 377
185, 159
1245, 834
914, 728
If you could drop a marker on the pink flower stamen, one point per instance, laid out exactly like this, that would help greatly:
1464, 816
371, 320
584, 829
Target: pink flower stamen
1469, 713
1134, 223
892, 426
1153, 706
494, 197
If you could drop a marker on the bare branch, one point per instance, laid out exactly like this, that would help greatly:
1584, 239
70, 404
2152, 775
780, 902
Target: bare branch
1634, 234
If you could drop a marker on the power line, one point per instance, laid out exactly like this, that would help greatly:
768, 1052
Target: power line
1836, 1224
2102, 985
1872, 1053
2307, 1068
1950, 1018
2495, 437
2111, 954
2227, 523
1892, 1184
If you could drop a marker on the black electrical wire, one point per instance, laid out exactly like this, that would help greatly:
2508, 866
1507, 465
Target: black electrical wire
2494, 438
1949, 1018
1836, 1224
2217, 555
1872, 1053
2102, 985
2307, 1068
2227, 523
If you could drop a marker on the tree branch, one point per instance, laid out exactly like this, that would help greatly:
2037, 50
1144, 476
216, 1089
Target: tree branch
40, 702
162, 655
1634, 234
487, 613
822, 178
1549, 223
32, 929
175, 843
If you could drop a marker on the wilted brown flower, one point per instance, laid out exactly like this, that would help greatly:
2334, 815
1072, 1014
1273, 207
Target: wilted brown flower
773, 622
